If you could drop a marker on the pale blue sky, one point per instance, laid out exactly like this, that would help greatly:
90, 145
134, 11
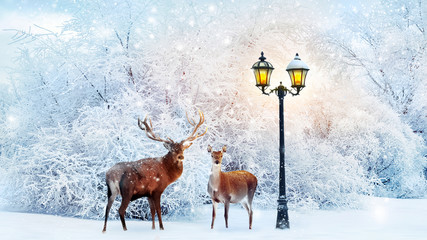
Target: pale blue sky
21, 14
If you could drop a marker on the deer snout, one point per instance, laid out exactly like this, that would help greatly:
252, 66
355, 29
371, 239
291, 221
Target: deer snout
217, 160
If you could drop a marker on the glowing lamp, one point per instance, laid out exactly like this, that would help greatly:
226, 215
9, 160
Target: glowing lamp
297, 70
262, 70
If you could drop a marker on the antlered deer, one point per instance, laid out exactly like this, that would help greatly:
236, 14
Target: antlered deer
148, 177
230, 187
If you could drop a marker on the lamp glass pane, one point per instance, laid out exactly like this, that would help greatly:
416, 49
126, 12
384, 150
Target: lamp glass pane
256, 73
304, 75
263, 73
297, 77
262, 76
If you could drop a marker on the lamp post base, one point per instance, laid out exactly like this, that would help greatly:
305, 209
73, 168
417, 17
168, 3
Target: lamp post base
282, 213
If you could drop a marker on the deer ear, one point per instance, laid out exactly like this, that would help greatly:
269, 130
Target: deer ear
209, 148
224, 149
168, 146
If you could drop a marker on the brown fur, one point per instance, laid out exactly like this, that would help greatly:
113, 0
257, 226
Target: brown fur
230, 187
147, 177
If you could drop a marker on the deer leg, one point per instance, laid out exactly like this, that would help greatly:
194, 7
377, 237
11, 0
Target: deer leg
226, 207
250, 213
250, 218
245, 205
111, 197
122, 211
153, 212
213, 213
159, 211
249, 208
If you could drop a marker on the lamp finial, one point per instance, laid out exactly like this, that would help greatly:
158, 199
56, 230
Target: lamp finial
262, 58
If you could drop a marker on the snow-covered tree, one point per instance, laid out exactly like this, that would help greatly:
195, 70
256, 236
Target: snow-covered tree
385, 41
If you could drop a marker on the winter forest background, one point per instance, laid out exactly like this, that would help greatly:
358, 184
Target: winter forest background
70, 103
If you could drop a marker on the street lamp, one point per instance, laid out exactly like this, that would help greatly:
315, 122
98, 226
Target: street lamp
297, 70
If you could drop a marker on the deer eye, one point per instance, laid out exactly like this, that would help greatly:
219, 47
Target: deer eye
180, 157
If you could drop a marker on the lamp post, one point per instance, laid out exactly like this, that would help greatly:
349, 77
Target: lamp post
297, 70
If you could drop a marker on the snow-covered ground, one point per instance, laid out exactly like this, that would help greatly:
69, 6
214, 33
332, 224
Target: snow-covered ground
382, 218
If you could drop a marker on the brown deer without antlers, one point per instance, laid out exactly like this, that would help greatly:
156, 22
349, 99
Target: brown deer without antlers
148, 177
230, 187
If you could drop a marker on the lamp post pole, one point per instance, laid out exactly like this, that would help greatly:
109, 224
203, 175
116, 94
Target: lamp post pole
282, 209
297, 70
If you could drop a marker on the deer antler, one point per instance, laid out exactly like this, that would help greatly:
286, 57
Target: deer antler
193, 137
149, 131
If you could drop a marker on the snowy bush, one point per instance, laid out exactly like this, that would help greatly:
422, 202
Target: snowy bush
385, 154
80, 92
